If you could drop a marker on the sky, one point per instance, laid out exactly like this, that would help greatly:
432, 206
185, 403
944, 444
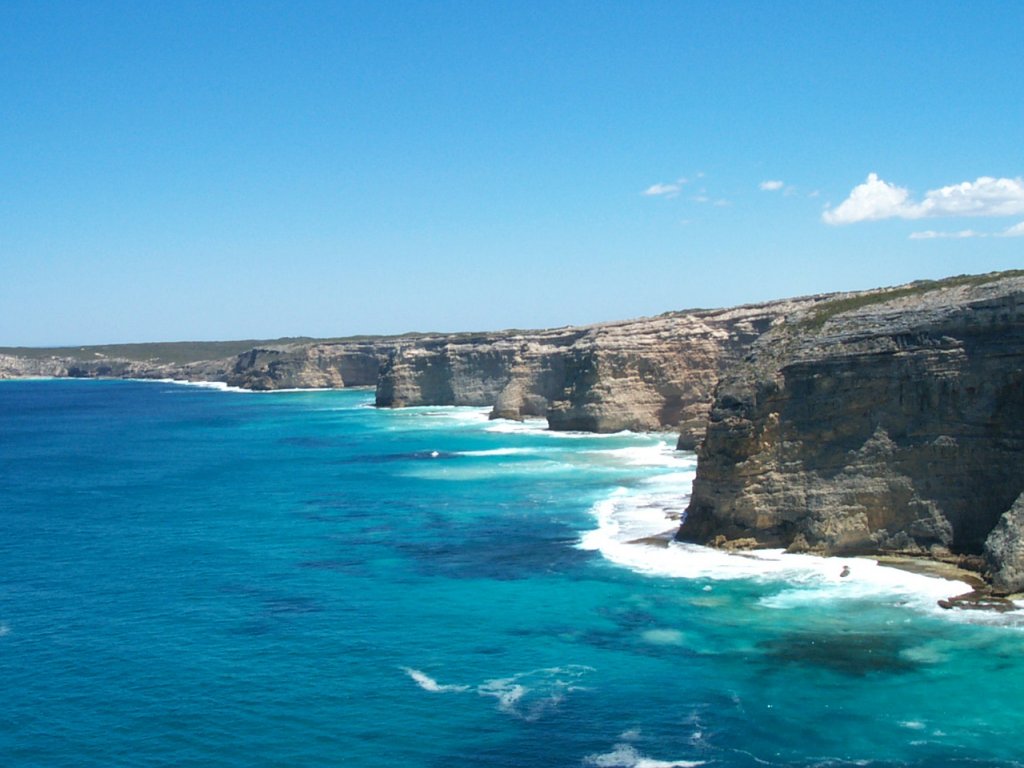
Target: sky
218, 170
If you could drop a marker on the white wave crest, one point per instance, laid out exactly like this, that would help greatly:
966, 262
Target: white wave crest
427, 683
631, 515
502, 452
540, 427
660, 454
527, 427
440, 417
633, 527
627, 756
220, 386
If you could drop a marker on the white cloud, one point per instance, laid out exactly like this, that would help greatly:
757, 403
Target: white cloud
772, 185
985, 197
703, 199
874, 199
931, 234
665, 190
1017, 230
877, 199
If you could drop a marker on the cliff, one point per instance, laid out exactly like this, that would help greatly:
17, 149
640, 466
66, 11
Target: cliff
648, 374
101, 366
888, 421
309, 365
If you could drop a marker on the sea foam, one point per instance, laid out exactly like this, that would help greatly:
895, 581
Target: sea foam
427, 683
627, 756
540, 427
529, 695
634, 527
220, 386
526, 696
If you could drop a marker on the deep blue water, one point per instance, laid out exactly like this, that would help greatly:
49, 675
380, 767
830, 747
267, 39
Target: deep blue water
192, 577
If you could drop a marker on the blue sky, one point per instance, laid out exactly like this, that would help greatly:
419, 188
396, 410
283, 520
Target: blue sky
198, 170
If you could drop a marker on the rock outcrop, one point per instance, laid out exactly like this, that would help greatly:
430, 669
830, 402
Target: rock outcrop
888, 421
1004, 550
57, 366
309, 365
648, 374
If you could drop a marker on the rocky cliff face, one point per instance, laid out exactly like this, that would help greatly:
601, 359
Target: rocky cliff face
883, 422
657, 373
463, 370
12, 367
649, 374
305, 365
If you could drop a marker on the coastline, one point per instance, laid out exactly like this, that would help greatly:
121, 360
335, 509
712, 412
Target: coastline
872, 422
634, 530
969, 592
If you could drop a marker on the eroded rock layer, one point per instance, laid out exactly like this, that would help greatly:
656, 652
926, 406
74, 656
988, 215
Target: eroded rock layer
62, 366
649, 374
890, 421
309, 365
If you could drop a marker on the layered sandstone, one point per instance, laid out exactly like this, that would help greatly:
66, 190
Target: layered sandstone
649, 374
890, 421
309, 365
62, 366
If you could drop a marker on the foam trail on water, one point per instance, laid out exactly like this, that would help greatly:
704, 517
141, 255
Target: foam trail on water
540, 427
526, 696
627, 756
502, 452
661, 454
442, 417
530, 695
427, 683
220, 386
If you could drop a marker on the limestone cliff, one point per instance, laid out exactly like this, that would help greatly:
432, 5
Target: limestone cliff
890, 421
463, 370
309, 365
648, 374
62, 366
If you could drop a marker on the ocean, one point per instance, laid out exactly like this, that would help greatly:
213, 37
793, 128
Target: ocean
198, 577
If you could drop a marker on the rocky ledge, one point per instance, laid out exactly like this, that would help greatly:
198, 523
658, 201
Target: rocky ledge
889, 421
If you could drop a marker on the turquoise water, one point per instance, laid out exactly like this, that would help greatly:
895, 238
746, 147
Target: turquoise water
192, 577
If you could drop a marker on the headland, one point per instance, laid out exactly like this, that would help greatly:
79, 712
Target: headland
885, 423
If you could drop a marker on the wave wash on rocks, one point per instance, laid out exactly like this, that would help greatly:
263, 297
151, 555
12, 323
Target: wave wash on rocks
882, 422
